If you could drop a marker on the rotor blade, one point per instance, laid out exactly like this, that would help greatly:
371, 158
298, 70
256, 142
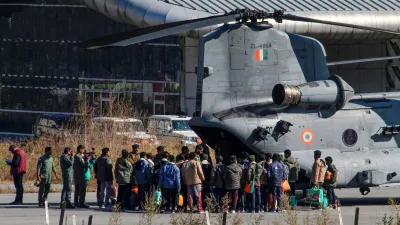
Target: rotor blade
153, 32
362, 60
311, 20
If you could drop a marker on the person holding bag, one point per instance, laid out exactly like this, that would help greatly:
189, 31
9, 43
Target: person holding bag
254, 173
276, 173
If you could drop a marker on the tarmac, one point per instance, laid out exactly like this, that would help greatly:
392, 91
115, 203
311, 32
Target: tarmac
372, 208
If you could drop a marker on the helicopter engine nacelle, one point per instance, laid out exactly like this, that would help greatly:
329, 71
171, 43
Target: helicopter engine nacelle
334, 92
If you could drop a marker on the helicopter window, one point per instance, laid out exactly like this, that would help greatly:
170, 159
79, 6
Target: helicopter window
349, 137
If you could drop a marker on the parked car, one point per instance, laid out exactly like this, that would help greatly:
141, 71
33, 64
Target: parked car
52, 124
173, 126
130, 128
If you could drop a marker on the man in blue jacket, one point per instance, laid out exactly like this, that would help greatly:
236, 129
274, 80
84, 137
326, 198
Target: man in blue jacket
275, 173
169, 183
142, 171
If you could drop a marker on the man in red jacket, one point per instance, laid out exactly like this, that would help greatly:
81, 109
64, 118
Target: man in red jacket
18, 169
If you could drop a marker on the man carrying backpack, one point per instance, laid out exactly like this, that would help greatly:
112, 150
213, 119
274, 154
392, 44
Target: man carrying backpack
330, 180
294, 168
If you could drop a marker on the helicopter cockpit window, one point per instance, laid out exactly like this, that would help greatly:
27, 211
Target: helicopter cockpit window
180, 125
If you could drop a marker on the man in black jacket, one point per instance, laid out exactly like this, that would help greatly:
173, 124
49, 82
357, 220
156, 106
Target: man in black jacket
105, 176
217, 182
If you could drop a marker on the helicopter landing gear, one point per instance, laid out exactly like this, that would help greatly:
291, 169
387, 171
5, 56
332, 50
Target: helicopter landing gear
365, 190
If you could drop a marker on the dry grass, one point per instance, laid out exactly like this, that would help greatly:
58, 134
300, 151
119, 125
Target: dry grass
150, 210
116, 216
81, 131
393, 218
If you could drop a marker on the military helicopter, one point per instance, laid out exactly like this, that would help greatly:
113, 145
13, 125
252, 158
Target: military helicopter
263, 90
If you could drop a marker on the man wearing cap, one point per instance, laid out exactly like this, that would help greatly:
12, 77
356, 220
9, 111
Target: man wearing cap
45, 167
66, 163
18, 169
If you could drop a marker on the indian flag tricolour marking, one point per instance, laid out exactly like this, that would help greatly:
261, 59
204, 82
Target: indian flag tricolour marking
261, 54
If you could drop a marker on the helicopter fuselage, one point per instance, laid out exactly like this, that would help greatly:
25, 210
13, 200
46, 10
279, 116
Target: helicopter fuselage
358, 138
238, 69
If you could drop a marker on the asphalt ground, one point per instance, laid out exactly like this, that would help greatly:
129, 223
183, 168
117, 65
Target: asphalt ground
372, 208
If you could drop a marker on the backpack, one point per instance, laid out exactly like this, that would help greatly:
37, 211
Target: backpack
293, 168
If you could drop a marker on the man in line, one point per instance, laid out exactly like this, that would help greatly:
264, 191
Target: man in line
66, 163
184, 152
80, 165
45, 167
133, 156
318, 170
18, 169
232, 177
331, 177
193, 177
143, 177
206, 167
244, 164
217, 181
264, 181
105, 176
254, 173
276, 173
170, 184
123, 172
294, 168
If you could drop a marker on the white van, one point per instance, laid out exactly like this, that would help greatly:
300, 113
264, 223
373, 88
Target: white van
127, 127
173, 126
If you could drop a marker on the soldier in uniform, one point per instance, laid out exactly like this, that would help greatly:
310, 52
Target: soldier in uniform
66, 163
44, 168
80, 165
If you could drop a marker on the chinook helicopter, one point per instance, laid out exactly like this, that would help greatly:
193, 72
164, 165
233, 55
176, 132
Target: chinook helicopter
263, 90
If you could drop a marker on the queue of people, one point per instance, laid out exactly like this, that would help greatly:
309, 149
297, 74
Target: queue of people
252, 183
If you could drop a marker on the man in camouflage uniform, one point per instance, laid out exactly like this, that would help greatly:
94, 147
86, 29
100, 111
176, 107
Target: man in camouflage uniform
66, 163
44, 169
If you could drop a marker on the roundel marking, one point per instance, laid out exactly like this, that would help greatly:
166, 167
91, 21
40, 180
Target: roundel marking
307, 136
